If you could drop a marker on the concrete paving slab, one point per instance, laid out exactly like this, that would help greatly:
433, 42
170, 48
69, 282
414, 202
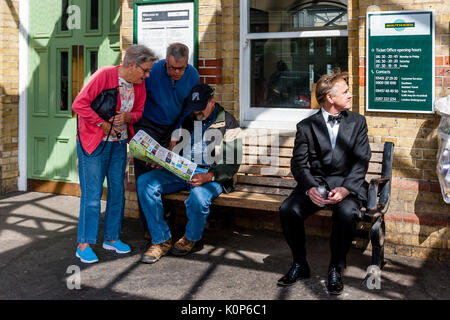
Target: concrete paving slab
37, 259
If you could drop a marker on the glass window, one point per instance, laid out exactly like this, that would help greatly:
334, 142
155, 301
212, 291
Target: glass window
289, 45
77, 70
64, 15
93, 56
293, 15
94, 15
64, 94
284, 70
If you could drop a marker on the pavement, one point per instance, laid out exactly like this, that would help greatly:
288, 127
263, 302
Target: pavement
37, 261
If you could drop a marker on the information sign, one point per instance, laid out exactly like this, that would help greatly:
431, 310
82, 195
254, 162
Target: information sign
159, 23
400, 61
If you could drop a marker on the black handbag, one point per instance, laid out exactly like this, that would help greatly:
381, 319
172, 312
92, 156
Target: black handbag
105, 103
105, 106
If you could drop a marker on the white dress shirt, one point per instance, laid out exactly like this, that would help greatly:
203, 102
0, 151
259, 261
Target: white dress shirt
333, 128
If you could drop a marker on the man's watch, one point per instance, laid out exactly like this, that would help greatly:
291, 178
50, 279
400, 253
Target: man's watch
213, 178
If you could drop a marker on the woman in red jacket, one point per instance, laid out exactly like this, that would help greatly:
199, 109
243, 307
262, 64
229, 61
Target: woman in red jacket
100, 156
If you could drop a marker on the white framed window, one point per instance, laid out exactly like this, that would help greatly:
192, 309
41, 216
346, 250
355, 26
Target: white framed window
286, 46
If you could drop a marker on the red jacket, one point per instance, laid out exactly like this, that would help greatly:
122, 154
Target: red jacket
104, 78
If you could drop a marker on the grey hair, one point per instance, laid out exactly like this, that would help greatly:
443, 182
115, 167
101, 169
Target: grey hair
138, 54
177, 50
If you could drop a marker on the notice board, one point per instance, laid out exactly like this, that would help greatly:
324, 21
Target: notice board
400, 61
159, 23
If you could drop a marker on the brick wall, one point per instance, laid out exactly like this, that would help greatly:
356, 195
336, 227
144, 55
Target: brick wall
417, 222
9, 94
418, 219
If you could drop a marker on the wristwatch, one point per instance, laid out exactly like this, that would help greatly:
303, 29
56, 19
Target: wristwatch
213, 178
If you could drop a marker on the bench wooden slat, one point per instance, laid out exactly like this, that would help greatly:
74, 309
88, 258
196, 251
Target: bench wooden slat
239, 199
263, 190
283, 142
265, 170
266, 181
374, 167
281, 162
257, 151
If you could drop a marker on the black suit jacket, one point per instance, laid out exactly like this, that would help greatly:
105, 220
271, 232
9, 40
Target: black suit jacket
314, 161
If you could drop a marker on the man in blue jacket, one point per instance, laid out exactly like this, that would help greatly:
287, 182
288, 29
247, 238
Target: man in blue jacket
215, 143
169, 84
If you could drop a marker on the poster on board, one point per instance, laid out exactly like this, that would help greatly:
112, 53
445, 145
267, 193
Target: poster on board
400, 61
158, 24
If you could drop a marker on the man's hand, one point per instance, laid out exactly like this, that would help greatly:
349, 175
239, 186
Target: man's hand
337, 195
172, 144
315, 196
106, 126
153, 165
201, 178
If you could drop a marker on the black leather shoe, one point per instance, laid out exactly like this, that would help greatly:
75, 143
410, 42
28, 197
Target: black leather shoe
298, 271
335, 285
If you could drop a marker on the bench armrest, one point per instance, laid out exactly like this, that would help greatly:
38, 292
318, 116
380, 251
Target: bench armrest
378, 188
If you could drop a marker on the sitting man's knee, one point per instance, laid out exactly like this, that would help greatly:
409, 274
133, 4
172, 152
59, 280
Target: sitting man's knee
289, 209
197, 198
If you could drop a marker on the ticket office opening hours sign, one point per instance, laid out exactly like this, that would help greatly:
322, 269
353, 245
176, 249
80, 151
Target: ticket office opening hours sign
159, 23
400, 61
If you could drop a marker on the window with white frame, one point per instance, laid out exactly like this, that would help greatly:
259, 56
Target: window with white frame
286, 46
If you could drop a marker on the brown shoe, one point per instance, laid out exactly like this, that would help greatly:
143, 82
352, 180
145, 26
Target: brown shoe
182, 247
156, 251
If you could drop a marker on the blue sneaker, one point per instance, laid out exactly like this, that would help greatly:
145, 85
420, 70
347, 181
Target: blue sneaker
87, 255
117, 246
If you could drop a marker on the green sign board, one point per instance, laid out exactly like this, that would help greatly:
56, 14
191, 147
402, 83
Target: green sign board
400, 61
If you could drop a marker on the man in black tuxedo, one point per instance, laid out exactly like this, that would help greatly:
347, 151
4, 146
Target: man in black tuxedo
332, 150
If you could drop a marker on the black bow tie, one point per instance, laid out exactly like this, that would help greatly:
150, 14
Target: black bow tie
335, 118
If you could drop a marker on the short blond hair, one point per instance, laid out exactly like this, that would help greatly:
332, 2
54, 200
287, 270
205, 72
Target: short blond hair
326, 83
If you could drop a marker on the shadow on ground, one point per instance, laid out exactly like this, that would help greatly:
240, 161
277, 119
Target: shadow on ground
38, 236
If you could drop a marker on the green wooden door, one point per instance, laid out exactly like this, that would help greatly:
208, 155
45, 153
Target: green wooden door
68, 41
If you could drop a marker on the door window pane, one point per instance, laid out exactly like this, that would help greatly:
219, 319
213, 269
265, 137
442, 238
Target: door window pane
283, 71
64, 94
64, 15
77, 70
94, 15
93, 57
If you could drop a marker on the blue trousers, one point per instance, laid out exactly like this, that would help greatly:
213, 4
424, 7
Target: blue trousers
152, 185
92, 171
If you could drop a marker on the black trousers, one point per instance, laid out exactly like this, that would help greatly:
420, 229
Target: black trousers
162, 134
298, 207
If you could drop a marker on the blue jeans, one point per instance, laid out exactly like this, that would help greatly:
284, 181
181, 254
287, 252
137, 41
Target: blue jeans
92, 171
152, 185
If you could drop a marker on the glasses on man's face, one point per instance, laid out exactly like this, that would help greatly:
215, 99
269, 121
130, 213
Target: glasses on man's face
144, 70
179, 69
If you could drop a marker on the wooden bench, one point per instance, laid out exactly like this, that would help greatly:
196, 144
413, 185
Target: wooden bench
263, 184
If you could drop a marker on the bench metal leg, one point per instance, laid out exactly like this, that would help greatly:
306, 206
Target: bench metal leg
377, 233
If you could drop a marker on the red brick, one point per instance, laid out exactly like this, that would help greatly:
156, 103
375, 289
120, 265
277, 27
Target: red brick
447, 60
201, 63
213, 80
438, 82
362, 71
443, 71
210, 71
446, 82
439, 61
214, 63
362, 81
362, 61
